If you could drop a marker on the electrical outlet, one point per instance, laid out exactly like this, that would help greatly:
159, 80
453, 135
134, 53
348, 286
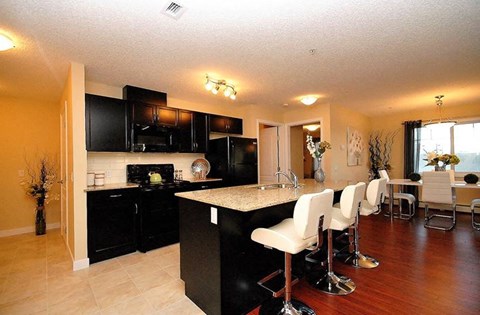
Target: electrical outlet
108, 174
213, 215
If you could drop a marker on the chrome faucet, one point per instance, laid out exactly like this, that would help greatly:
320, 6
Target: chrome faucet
292, 178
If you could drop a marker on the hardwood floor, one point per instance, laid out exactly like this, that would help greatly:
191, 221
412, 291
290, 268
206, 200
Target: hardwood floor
422, 271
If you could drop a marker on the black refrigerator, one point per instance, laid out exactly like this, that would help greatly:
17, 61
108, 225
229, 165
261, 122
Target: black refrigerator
234, 160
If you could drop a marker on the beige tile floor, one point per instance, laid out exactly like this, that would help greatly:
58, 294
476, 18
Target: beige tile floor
36, 277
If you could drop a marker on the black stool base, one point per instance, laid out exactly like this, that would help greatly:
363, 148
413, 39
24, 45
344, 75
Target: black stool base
275, 307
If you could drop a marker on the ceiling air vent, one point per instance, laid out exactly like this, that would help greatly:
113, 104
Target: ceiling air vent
173, 10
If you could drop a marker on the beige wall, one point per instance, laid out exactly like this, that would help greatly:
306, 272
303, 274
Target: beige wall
28, 129
341, 118
394, 122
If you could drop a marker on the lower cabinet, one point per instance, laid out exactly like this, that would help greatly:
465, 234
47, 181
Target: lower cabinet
111, 223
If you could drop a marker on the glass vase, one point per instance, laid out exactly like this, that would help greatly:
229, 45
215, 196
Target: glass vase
439, 168
319, 174
40, 225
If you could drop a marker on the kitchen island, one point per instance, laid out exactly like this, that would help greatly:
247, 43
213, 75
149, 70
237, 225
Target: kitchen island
219, 263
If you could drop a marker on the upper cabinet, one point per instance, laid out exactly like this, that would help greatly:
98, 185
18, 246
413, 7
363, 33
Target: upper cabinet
150, 107
225, 124
193, 131
149, 114
106, 124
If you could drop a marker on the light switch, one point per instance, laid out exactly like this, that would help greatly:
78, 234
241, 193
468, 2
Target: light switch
213, 215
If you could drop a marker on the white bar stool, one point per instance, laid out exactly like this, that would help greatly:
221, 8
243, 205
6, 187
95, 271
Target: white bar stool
342, 218
475, 224
372, 205
293, 235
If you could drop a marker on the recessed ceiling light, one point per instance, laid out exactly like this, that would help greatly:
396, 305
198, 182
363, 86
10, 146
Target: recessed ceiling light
308, 100
5, 43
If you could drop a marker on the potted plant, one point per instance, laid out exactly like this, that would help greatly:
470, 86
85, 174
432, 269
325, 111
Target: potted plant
316, 151
440, 161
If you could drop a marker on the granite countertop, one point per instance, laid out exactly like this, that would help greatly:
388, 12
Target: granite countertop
111, 186
249, 197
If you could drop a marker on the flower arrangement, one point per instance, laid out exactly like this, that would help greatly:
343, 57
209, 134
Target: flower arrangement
40, 183
435, 159
317, 152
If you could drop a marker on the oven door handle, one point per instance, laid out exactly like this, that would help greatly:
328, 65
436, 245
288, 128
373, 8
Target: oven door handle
136, 208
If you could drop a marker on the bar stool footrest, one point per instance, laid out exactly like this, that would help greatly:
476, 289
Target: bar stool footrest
275, 306
275, 282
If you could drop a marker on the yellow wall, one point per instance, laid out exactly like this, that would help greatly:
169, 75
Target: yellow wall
74, 95
28, 128
394, 122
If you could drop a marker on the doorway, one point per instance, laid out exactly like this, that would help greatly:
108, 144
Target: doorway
63, 171
271, 144
300, 160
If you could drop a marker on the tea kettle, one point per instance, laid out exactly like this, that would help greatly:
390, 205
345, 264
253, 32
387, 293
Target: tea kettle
155, 178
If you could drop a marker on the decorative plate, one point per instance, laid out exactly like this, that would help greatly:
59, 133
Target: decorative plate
200, 165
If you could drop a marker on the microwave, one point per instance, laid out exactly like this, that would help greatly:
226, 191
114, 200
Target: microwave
152, 138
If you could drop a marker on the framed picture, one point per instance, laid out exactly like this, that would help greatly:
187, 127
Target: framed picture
354, 146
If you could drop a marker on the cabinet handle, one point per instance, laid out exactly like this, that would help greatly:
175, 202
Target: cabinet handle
136, 208
115, 196
203, 187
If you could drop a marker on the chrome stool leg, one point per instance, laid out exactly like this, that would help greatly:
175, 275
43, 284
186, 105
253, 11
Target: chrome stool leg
286, 306
357, 259
332, 283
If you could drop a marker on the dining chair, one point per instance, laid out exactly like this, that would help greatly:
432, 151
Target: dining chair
475, 224
437, 190
409, 198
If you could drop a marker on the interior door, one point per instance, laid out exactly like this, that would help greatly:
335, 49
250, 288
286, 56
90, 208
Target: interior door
269, 154
63, 171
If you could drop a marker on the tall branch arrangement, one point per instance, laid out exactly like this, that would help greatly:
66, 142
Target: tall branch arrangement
40, 180
380, 149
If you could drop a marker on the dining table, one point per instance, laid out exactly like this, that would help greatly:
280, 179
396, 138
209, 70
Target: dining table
408, 182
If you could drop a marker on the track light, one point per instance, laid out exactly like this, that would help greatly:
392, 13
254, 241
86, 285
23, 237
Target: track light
215, 89
6, 43
214, 86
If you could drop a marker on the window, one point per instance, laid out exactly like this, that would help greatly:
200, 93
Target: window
463, 139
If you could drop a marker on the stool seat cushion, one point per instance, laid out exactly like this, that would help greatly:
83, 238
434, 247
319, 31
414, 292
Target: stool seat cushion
283, 237
339, 222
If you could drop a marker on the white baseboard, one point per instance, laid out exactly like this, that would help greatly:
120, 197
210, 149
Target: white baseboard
27, 229
81, 264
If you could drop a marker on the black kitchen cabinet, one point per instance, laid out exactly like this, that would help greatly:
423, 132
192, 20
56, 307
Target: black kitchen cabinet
150, 114
206, 185
224, 124
111, 223
158, 214
106, 123
193, 131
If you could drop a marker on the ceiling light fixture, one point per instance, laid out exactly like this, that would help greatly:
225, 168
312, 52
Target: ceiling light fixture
312, 127
5, 43
308, 100
214, 86
443, 123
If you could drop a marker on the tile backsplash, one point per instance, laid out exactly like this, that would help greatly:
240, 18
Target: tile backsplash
115, 164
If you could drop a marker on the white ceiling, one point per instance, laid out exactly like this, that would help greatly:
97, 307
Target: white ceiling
376, 57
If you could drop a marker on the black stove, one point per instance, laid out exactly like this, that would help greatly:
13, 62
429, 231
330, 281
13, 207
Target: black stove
138, 173
158, 207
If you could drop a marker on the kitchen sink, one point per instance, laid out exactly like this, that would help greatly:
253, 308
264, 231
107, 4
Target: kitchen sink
273, 186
